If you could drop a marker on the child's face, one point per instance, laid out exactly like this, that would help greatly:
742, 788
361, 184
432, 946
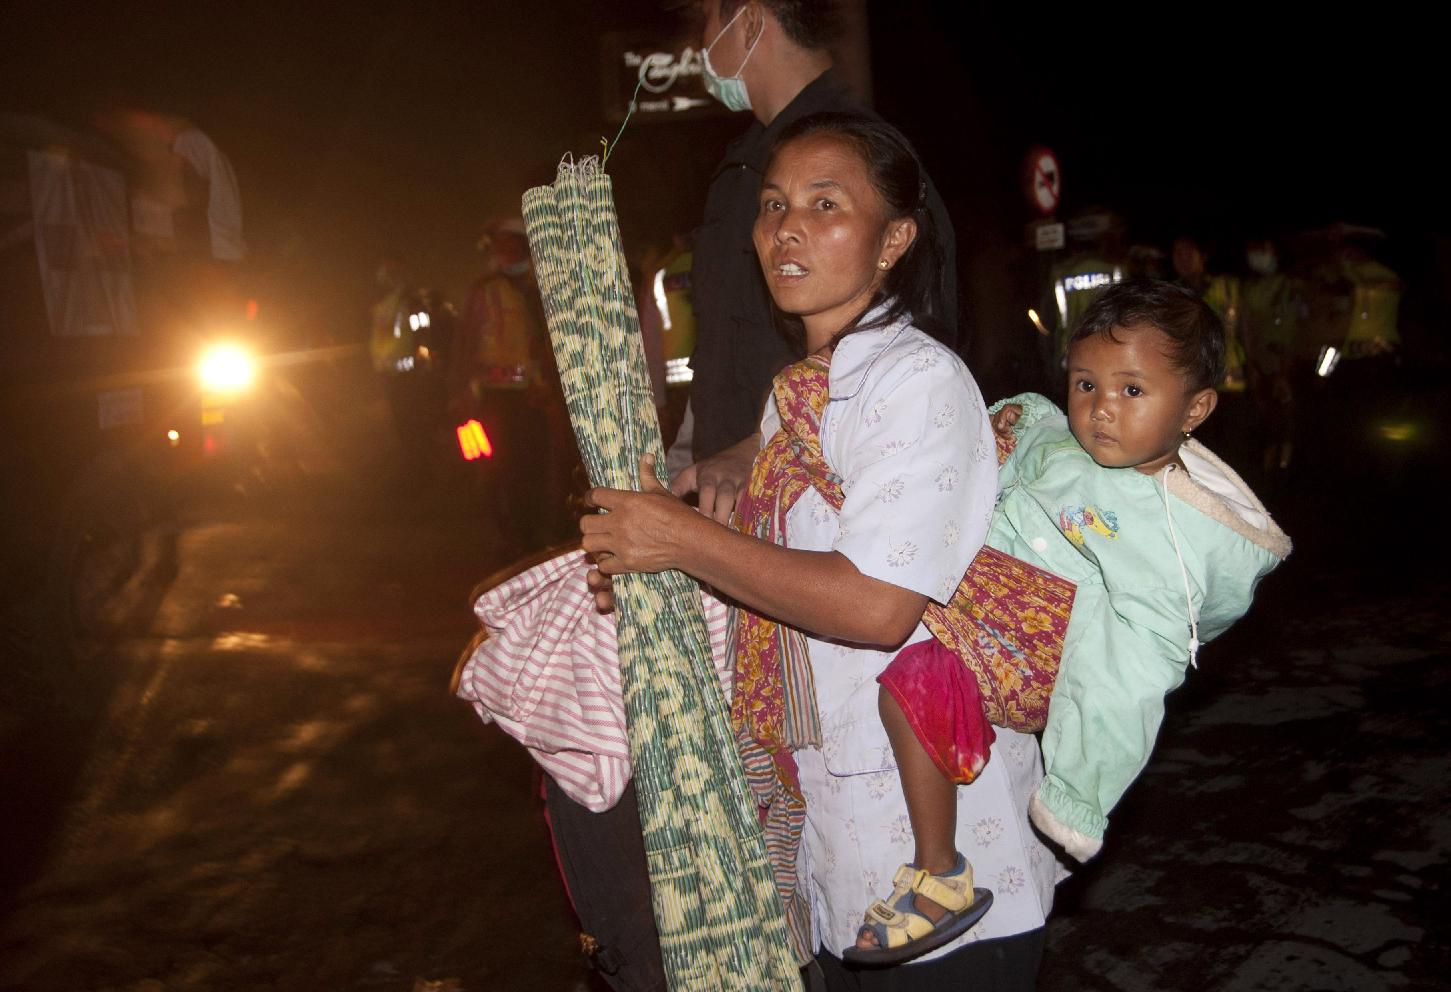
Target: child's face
1127, 404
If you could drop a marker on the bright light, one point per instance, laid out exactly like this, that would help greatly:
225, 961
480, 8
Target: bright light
473, 442
678, 370
661, 303
174, 437
1037, 321
1329, 358
226, 368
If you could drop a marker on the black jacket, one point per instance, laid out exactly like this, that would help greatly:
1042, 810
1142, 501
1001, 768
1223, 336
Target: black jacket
738, 349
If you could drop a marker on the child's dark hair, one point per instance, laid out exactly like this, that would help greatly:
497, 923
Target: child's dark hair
1195, 332
914, 286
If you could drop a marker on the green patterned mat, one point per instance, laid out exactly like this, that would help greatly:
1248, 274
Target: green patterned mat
715, 900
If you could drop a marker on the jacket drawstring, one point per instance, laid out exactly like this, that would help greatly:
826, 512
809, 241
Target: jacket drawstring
1183, 571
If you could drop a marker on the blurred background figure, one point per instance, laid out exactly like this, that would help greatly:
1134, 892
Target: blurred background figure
1222, 293
1274, 306
1096, 261
1375, 304
1351, 332
502, 375
1233, 428
385, 339
642, 277
401, 345
667, 319
1146, 261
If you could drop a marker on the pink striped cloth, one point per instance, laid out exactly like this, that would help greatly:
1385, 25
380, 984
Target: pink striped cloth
549, 676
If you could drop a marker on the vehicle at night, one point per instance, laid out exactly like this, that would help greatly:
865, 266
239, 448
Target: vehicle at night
114, 410
86, 400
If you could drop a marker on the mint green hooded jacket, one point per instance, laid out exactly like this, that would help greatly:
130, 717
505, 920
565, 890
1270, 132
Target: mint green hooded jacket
1163, 564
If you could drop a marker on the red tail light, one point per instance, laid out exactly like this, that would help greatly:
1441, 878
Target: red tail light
474, 442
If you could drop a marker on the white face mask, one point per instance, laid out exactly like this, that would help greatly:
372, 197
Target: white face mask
729, 90
1262, 262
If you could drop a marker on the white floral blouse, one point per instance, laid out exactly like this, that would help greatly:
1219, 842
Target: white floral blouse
907, 432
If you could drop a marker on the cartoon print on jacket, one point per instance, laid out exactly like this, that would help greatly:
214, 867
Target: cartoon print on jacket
1073, 519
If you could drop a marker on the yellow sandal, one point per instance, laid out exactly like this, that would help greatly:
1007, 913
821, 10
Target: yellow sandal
903, 933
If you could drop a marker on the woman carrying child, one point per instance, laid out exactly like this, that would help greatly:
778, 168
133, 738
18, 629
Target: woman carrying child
872, 494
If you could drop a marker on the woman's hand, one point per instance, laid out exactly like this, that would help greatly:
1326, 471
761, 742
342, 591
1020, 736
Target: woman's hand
645, 531
1005, 418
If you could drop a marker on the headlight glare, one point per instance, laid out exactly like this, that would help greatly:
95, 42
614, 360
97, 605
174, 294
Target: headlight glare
227, 368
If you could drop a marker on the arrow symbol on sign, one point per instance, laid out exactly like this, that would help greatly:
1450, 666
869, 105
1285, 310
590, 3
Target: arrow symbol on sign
686, 102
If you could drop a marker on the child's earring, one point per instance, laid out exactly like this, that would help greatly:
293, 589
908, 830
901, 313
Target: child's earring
1186, 435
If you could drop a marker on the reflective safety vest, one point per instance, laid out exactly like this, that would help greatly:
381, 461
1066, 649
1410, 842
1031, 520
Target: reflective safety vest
400, 325
1375, 306
1077, 282
496, 334
1224, 296
671, 291
1271, 321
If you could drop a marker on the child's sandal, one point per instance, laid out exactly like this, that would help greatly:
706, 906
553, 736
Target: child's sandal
902, 932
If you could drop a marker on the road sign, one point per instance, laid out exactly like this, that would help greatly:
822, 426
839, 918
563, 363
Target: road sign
1042, 180
1048, 236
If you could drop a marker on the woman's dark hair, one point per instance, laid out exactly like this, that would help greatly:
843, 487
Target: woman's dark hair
1194, 330
914, 286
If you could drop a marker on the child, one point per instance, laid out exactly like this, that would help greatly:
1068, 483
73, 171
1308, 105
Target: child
1165, 545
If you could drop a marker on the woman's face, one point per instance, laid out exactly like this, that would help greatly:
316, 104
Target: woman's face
822, 234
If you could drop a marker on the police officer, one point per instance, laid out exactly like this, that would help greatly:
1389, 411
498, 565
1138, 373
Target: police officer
1095, 264
502, 373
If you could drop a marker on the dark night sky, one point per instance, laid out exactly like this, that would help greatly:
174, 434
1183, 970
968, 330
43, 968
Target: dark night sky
367, 128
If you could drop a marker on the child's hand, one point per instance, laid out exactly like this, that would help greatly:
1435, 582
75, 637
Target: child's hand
602, 587
721, 480
1005, 418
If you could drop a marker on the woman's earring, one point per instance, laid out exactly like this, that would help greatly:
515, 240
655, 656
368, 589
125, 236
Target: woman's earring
882, 263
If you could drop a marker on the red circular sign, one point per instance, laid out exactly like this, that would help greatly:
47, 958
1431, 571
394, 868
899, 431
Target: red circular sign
1042, 180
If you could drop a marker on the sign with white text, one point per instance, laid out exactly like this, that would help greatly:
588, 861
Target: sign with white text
670, 80
1048, 236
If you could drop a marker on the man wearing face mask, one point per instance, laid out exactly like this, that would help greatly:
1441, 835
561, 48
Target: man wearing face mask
769, 57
